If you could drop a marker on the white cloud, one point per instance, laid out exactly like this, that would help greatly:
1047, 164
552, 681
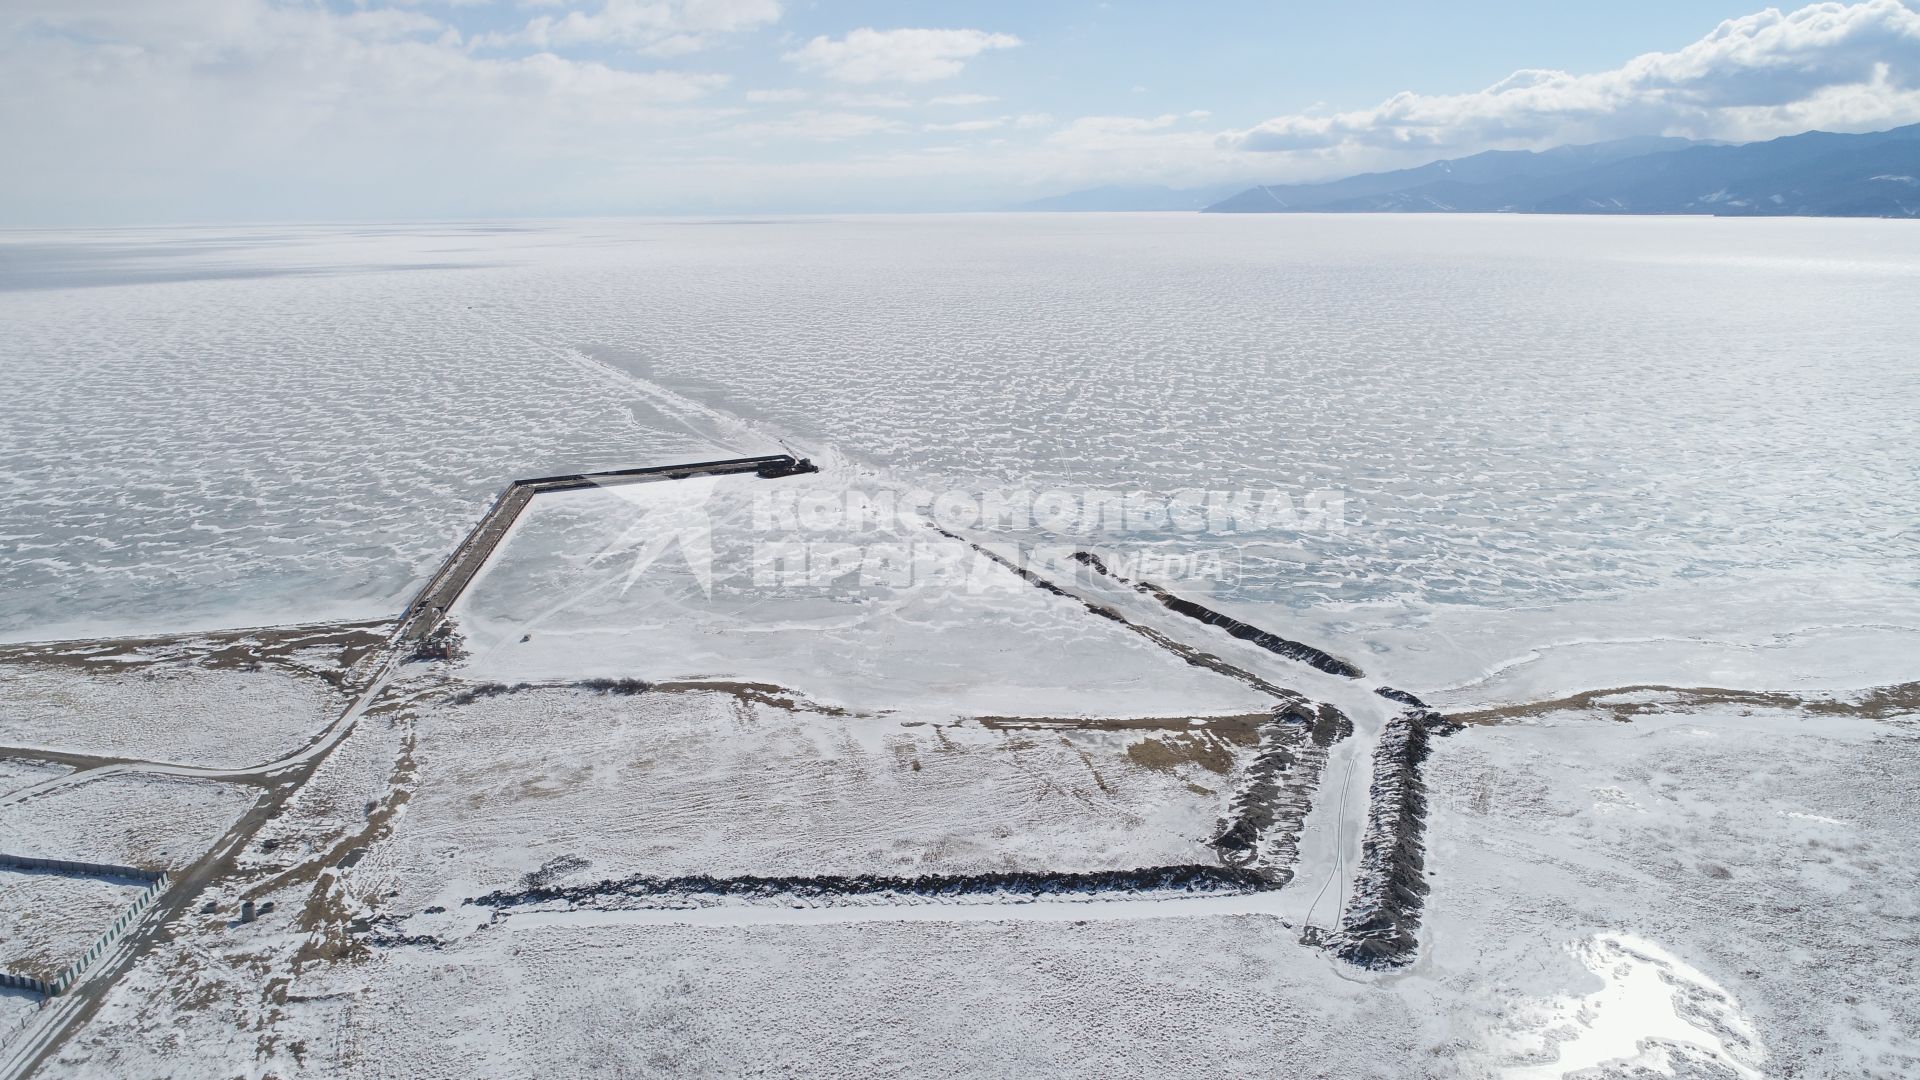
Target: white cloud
871, 101
387, 24
1826, 65
967, 125
768, 97
1143, 139
1882, 102
869, 56
1122, 124
674, 45
251, 109
816, 126
962, 99
658, 27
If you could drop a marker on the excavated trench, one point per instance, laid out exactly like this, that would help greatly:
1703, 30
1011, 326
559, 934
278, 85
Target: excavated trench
817, 888
1379, 928
1269, 809
1265, 639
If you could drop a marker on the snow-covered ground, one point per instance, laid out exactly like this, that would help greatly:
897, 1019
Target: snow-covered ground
47, 920
152, 822
1749, 871
178, 714
23, 773
1705, 892
17, 1008
1710, 891
601, 786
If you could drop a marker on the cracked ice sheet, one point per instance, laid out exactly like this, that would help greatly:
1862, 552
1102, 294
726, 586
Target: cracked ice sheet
1521, 413
583, 587
248, 427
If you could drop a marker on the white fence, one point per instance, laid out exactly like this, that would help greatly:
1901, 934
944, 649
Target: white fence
156, 880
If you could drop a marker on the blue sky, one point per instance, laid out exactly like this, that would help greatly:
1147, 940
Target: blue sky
190, 110
1246, 61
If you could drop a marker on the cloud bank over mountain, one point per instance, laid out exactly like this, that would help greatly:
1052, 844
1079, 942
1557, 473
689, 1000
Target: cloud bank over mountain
1827, 65
123, 110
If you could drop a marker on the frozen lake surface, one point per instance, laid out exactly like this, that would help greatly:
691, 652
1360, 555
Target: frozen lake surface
1544, 430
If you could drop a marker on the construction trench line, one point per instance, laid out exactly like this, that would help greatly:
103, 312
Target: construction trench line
1333, 840
1343, 838
43, 1031
1322, 843
1317, 846
1334, 837
426, 613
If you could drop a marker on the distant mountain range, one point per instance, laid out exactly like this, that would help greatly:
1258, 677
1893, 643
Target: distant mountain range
1815, 174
